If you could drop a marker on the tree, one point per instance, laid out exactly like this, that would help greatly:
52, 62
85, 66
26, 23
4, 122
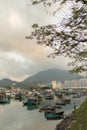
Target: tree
71, 39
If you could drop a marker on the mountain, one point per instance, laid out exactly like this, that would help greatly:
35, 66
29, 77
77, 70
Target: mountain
42, 77
7, 82
50, 75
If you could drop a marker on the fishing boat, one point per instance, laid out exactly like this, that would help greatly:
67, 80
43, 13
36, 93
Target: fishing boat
60, 103
3, 98
56, 106
4, 101
55, 112
49, 97
47, 108
19, 96
59, 95
31, 101
66, 100
76, 96
54, 115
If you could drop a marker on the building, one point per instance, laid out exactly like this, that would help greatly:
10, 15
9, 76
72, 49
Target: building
54, 84
71, 84
83, 83
59, 85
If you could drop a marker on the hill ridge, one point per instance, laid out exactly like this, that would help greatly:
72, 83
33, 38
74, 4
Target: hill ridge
44, 76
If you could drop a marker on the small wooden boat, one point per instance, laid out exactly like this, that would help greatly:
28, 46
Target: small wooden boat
59, 95
76, 96
60, 112
60, 103
56, 106
31, 101
50, 97
67, 101
4, 101
46, 109
54, 115
19, 96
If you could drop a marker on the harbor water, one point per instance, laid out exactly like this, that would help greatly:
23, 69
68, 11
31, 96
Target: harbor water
14, 116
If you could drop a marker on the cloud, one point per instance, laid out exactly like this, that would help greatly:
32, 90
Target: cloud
14, 65
19, 57
15, 21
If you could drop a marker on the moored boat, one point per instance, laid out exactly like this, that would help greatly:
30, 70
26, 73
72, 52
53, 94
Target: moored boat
3, 98
46, 109
60, 112
56, 106
31, 101
4, 101
54, 115
60, 103
49, 97
66, 100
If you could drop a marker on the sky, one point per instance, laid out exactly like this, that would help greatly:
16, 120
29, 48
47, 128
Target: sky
19, 57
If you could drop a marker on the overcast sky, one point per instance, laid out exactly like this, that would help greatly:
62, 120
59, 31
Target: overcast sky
19, 57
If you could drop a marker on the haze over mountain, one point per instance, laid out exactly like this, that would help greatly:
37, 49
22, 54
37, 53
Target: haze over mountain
52, 74
7, 82
43, 77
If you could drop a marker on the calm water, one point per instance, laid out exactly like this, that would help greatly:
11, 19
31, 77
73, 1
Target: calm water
14, 116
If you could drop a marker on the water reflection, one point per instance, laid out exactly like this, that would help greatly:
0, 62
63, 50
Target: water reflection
32, 107
14, 116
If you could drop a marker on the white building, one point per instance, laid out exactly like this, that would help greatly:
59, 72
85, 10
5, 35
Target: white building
71, 84
83, 83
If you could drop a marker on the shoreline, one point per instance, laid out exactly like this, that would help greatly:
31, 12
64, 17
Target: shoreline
66, 122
